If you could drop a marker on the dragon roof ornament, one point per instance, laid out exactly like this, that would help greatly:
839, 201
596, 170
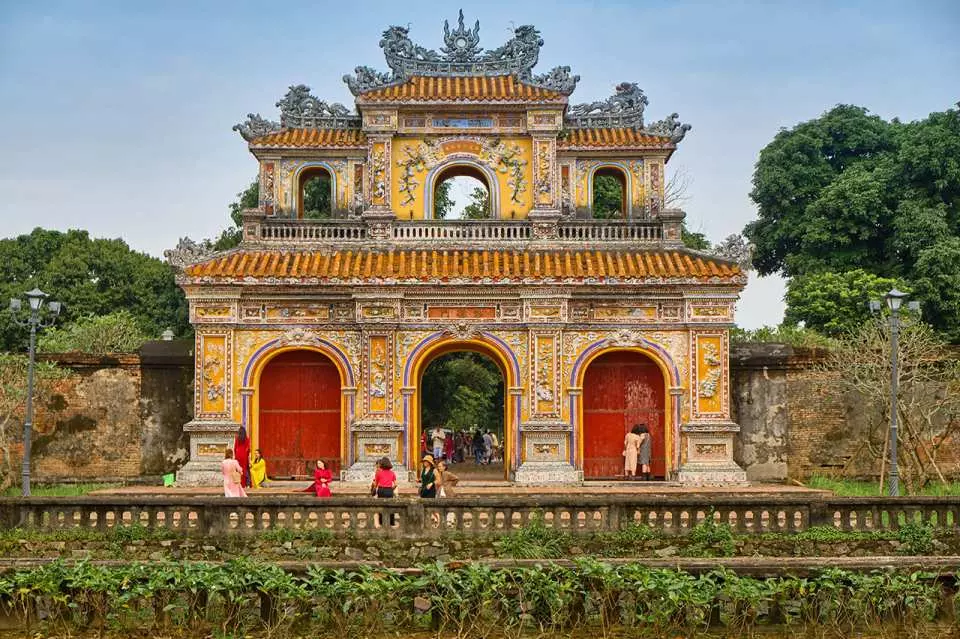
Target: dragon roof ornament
623, 110
461, 55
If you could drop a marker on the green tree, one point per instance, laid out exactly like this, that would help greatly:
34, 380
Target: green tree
851, 191
834, 303
694, 239
91, 277
316, 198
936, 281
118, 332
462, 390
442, 202
607, 197
479, 206
230, 237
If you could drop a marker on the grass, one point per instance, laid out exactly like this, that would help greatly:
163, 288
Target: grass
57, 490
851, 488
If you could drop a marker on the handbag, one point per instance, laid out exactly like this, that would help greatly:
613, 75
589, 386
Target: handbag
235, 475
373, 489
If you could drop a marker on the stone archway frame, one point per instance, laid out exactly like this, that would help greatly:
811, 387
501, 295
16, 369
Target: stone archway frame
624, 168
451, 341
295, 187
673, 391
462, 159
293, 340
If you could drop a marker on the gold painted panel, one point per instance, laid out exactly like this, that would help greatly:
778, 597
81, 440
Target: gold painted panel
710, 379
213, 390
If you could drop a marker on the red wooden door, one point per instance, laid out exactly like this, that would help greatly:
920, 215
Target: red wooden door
621, 389
299, 414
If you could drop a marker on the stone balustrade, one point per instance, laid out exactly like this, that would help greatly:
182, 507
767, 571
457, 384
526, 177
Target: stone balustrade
474, 516
261, 230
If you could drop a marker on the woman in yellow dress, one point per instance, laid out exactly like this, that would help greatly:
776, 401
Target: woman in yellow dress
258, 470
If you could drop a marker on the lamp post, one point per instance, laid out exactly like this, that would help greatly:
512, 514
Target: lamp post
894, 300
35, 319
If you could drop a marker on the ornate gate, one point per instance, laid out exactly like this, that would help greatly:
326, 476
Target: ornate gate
621, 389
299, 413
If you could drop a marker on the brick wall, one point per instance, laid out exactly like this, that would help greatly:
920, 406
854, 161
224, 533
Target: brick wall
115, 417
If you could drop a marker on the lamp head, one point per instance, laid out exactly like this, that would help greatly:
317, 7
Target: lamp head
895, 299
35, 298
55, 308
874, 306
15, 305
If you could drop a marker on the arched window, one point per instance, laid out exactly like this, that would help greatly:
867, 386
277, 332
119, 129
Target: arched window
461, 192
609, 193
315, 193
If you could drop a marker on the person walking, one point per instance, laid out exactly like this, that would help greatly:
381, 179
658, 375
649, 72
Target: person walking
428, 478
644, 454
437, 437
241, 449
446, 481
232, 476
478, 446
487, 447
631, 451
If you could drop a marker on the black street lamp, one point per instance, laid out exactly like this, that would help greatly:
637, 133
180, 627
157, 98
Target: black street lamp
36, 319
894, 301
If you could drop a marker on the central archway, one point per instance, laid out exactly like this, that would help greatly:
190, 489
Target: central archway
431, 349
462, 166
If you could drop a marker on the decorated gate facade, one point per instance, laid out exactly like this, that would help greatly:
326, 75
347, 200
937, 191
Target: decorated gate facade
544, 285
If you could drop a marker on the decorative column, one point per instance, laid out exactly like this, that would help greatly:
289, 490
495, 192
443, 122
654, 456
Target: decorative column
378, 212
708, 438
544, 441
545, 215
212, 429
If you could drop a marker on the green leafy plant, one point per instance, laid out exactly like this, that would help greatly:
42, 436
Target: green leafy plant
916, 537
533, 541
710, 538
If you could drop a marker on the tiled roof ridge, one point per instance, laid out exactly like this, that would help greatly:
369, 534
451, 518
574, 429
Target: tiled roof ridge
437, 263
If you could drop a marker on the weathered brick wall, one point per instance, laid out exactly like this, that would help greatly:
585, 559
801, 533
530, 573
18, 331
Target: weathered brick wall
796, 422
115, 417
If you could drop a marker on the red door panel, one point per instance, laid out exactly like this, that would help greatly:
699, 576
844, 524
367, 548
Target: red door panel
299, 414
621, 389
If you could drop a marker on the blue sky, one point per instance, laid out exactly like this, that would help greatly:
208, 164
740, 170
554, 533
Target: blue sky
118, 115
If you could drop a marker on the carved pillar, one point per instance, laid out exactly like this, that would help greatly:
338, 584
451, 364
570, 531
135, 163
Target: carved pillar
708, 437
378, 212
213, 429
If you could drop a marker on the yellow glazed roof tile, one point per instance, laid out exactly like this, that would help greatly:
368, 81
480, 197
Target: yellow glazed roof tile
611, 138
312, 139
504, 88
462, 265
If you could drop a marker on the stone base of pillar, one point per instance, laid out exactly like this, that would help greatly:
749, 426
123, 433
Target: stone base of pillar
200, 473
709, 456
533, 473
363, 471
208, 440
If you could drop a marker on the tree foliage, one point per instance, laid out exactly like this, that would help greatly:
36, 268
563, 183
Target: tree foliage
249, 198
607, 197
13, 397
834, 303
928, 398
479, 206
462, 390
442, 202
118, 332
316, 198
851, 191
91, 277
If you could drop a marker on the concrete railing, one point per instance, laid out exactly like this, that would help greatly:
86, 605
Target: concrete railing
473, 516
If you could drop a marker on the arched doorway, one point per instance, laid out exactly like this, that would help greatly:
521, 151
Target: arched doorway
435, 347
621, 389
315, 194
464, 189
610, 193
299, 413
463, 397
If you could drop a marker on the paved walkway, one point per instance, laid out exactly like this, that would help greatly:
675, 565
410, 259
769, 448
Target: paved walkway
482, 488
